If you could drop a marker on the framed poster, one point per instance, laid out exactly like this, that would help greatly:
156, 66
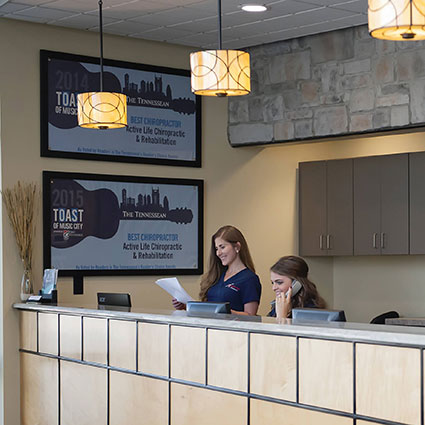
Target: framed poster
164, 116
121, 225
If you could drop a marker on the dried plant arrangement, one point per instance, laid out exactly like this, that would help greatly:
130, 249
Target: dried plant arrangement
21, 202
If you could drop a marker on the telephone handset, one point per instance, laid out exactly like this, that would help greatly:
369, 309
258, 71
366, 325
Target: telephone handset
296, 287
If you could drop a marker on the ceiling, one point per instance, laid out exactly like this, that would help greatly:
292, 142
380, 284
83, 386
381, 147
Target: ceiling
194, 22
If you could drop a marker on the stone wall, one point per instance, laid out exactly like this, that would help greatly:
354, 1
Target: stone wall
337, 83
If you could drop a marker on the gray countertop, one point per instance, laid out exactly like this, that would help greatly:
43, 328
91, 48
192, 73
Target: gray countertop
407, 321
344, 331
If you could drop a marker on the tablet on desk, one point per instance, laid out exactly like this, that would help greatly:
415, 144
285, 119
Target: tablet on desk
113, 299
316, 314
207, 307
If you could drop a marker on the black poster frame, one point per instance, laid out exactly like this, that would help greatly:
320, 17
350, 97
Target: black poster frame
45, 78
78, 274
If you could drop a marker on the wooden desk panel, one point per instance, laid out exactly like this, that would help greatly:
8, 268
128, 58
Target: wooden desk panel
28, 330
273, 365
388, 383
266, 413
122, 344
228, 359
326, 374
188, 353
83, 394
39, 390
153, 348
242, 379
137, 400
71, 345
191, 405
95, 344
48, 333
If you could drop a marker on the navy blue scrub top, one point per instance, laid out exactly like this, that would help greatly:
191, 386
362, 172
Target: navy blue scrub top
242, 288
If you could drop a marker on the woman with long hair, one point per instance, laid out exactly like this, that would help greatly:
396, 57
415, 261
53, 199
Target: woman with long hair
231, 274
284, 274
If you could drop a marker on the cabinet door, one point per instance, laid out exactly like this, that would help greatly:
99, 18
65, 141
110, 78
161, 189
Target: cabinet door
339, 193
312, 208
394, 236
417, 203
366, 205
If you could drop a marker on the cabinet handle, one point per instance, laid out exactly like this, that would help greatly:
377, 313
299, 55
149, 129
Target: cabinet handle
328, 241
382, 240
321, 241
374, 240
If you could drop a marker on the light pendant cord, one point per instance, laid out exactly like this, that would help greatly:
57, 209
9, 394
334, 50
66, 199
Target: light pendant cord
102, 110
219, 26
101, 44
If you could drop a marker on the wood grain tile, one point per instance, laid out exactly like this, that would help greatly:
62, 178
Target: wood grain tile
273, 362
188, 353
266, 413
388, 383
70, 331
192, 405
95, 340
153, 348
228, 359
122, 344
143, 398
326, 374
48, 333
28, 330
83, 397
39, 390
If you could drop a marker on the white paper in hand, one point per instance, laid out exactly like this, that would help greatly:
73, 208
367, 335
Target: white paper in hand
173, 287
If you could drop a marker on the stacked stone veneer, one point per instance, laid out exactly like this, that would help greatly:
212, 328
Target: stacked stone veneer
337, 83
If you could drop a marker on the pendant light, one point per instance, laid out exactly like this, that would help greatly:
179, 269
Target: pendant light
220, 72
102, 110
398, 20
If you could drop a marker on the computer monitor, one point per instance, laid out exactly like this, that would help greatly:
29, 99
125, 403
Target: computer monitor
113, 299
316, 314
207, 307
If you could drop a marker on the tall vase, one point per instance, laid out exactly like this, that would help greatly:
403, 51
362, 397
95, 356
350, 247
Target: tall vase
26, 285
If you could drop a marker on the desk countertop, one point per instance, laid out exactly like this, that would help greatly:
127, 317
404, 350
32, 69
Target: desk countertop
407, 321
342, 331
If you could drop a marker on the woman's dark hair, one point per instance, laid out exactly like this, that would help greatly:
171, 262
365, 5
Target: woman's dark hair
296, 268
215, 269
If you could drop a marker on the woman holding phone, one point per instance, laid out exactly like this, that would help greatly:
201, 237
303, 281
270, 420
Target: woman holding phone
231, 274
293, 289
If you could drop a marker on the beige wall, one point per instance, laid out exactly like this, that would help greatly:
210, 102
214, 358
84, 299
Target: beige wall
252, 188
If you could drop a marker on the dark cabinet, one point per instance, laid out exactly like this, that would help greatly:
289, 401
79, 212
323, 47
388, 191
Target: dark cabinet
312, 207
326, 208
340, 207
381, 205
417, 202
362, 206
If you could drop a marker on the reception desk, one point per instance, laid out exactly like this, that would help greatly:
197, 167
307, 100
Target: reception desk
99, 367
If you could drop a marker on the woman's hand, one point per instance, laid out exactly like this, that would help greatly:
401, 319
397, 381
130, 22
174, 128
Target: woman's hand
178, 305
283, 304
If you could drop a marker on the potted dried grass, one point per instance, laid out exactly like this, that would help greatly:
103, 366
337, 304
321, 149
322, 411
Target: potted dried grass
21, 202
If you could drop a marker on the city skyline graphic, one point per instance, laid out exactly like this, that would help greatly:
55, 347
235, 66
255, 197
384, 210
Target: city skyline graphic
152, 94
149, 207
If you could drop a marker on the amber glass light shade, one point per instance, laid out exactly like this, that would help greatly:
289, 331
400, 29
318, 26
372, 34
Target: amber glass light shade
220, 73
102, 110
398, 20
